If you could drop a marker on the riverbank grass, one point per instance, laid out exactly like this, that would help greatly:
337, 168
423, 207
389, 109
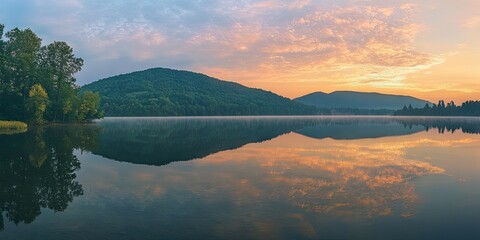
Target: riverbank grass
12, 127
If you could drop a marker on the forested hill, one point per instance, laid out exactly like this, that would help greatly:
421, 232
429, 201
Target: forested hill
360, 100
167, 92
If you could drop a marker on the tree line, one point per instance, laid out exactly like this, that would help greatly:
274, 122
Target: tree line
468, 108
37, 83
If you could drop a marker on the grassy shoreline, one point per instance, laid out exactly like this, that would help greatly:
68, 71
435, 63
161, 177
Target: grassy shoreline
12, 127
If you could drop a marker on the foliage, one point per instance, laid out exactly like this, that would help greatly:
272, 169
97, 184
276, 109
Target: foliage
166, 92
25, 65
37, 102
469, 108
20, 51
359, 100
59, 65
90, 103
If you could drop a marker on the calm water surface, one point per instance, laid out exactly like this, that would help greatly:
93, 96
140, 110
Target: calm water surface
243, 178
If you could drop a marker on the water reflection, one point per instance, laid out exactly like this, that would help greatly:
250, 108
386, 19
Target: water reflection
161, 141
464, 124
255, 177
296, 187
358, 130
37, 170
359, 179
157, 141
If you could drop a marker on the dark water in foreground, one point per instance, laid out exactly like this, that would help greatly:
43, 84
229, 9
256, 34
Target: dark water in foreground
243, 178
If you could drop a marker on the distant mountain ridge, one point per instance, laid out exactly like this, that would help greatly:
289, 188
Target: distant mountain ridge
360, 100
168, 92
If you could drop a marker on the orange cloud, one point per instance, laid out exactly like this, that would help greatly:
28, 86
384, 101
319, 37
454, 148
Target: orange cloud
354, 46
291, 47
472, 22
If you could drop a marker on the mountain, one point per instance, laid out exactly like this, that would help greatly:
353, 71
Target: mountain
167, 92
360, 100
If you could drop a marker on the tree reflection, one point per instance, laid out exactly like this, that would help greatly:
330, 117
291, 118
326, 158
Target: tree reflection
443, 125
37, 170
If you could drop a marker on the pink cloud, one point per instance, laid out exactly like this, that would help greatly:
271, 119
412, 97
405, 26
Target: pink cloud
359, 43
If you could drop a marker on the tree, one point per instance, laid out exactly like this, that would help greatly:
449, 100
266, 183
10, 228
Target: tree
410, 109
20, 53
30, 74
59, 66
441, 104
451, 104
469, 108
2, 58
2, 67
37, 102
67, 108
90, 103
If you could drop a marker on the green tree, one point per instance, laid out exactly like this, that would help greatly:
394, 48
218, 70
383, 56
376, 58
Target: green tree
59, 67
20, 69
89, 107
67, 108
2, 58
2, 68
24, 63
37, 102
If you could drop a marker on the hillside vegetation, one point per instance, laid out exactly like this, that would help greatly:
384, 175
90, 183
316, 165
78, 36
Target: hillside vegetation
359, 100
468, 108
167, 92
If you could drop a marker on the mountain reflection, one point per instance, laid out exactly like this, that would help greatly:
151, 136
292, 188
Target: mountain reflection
358, 130
157, 141
37, 170
162, 141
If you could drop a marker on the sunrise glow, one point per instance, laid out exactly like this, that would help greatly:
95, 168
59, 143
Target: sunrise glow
427, 49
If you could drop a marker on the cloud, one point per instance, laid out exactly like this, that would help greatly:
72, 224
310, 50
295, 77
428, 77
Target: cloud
361, 42
472, 22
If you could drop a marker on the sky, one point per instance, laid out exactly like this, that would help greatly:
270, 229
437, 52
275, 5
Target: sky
425, 48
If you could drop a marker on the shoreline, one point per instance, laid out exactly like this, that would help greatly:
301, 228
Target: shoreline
288, 117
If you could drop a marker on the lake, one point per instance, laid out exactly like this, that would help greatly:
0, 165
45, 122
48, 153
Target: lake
243, 178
